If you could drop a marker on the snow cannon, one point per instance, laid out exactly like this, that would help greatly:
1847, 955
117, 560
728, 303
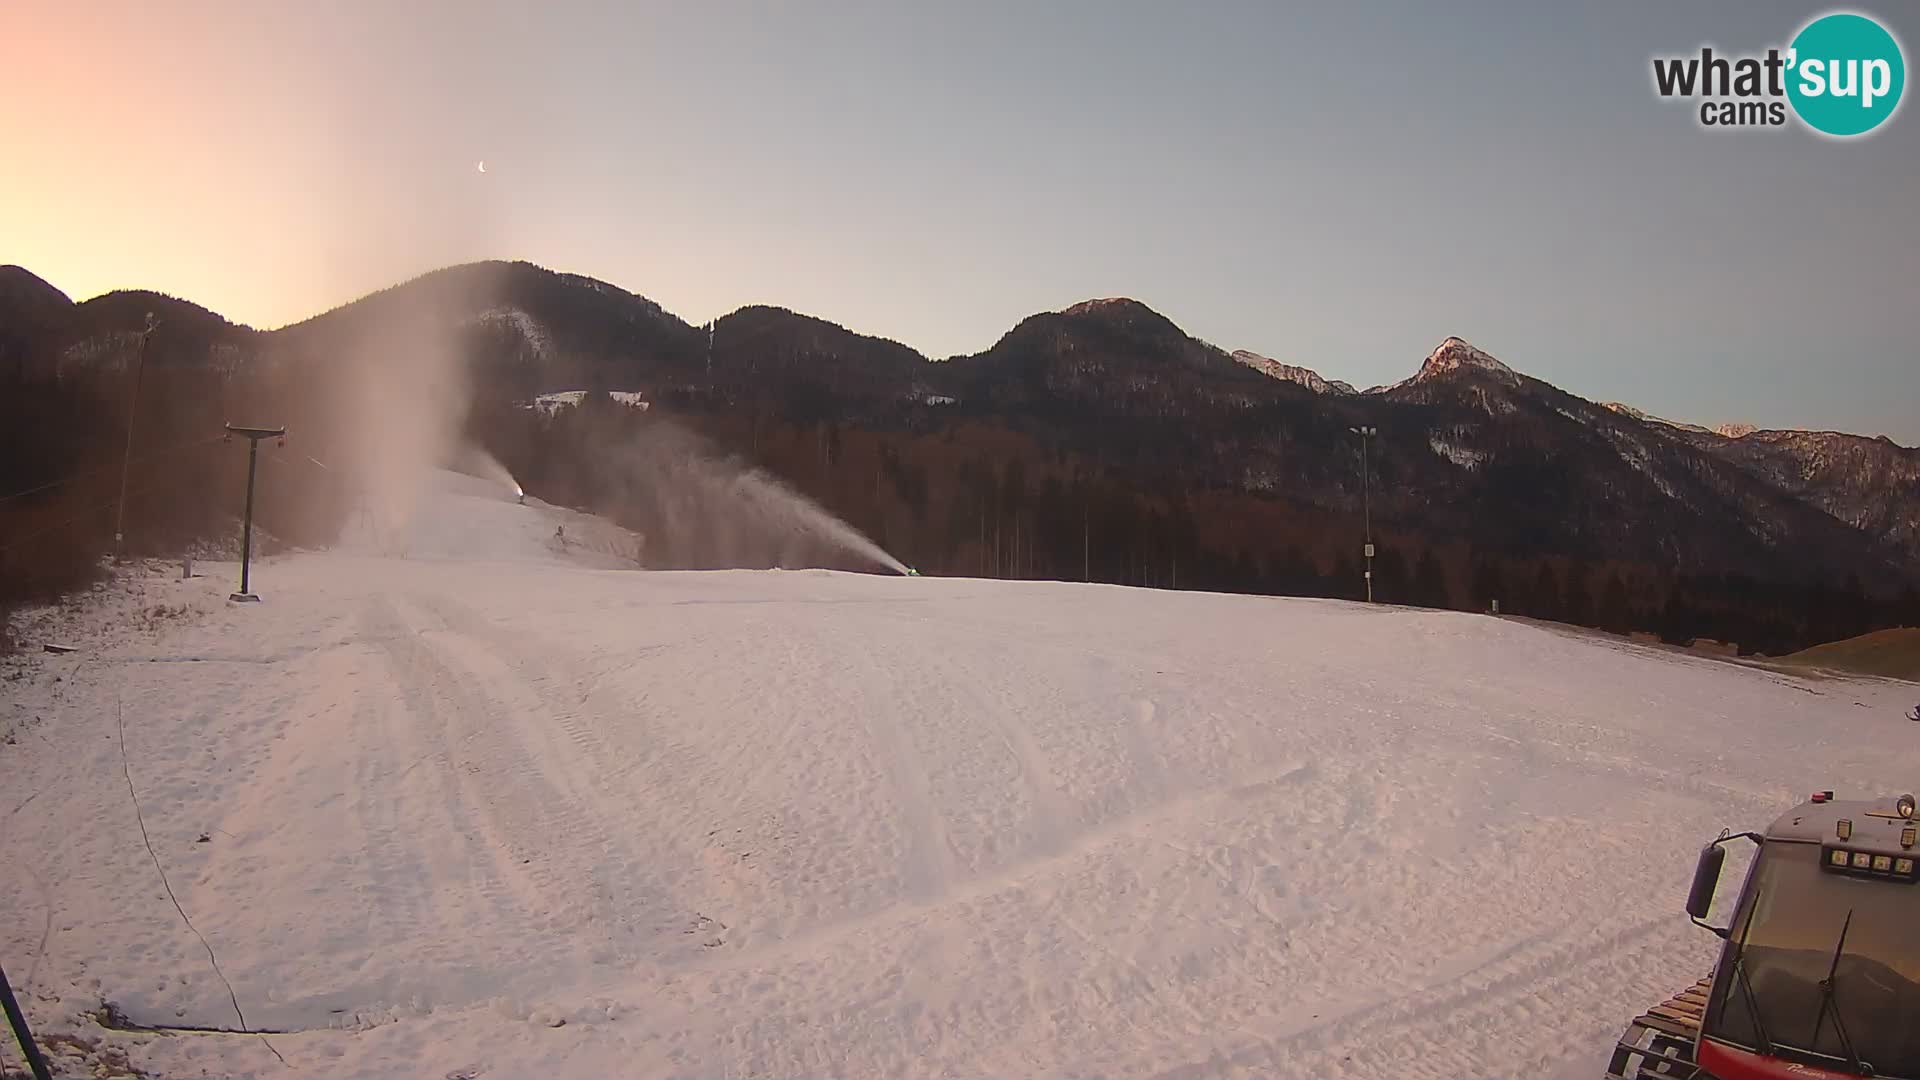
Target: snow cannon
911, 572
1820, 971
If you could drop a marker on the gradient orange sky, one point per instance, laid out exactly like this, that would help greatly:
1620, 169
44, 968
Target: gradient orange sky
1339, 187
267, 161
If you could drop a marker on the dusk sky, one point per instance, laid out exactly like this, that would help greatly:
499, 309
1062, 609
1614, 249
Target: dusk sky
1337, 186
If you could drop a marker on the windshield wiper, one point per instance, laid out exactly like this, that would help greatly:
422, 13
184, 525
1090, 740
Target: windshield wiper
1746, 985
1829, 1003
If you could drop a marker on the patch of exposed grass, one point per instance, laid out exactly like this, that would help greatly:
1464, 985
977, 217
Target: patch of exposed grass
1893, 654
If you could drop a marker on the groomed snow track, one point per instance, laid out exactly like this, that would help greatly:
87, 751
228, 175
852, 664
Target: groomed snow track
500, 810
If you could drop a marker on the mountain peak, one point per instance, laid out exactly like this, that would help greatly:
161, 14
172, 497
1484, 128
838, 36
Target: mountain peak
20, 285
1111, 305
1116, 315
1455, 353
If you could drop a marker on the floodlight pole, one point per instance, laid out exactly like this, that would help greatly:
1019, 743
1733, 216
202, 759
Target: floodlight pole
126, 453
1366, 500
18, 1020
253, 437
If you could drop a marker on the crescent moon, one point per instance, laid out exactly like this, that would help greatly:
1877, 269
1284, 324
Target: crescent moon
482, 166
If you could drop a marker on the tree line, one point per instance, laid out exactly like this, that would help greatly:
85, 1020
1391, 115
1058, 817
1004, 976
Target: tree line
972, 499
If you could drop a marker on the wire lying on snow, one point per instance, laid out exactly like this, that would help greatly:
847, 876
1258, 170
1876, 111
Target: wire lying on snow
127, 770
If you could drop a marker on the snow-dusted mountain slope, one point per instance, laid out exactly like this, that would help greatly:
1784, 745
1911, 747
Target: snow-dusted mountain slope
1292, 373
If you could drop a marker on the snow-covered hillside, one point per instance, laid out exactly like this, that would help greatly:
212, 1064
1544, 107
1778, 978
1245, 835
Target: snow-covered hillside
481, 807
457, 516
569, 399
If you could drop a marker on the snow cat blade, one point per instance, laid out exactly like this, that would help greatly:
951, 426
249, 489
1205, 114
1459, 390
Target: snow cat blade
1658, 1044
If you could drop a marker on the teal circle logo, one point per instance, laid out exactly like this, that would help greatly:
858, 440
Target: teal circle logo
1845, 74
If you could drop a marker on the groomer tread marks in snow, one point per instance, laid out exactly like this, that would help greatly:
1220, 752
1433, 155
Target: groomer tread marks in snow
1048, 826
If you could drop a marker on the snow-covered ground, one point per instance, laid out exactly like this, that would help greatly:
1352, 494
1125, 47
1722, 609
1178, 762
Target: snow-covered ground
491, 809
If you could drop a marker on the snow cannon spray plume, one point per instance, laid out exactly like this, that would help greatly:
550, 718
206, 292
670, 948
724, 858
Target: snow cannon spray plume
402, 395
474, 461
795, 521
701, 509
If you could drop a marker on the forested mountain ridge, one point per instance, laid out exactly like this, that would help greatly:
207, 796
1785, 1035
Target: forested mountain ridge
1100, 441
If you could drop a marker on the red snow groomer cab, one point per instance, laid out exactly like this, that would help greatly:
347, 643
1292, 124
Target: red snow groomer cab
1820, 974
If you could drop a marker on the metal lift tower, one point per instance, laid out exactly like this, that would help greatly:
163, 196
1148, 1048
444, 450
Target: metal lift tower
253, 437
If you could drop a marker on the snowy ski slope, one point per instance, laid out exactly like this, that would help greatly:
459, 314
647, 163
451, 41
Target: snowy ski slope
490, 809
